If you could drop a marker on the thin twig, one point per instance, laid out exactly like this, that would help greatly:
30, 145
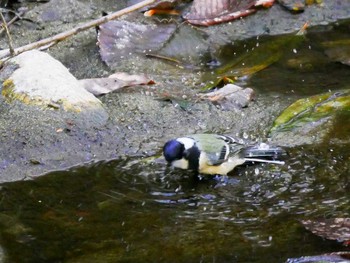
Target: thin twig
14, 19
61, 36
172, 60
9, 39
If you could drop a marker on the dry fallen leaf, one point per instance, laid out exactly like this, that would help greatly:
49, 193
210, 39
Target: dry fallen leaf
100, 86
230, 97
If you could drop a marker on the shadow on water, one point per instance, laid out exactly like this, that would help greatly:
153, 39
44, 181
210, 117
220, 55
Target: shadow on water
133, 211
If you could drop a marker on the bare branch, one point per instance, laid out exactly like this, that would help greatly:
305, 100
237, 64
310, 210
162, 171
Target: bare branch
14, 19
9, 39
61, 36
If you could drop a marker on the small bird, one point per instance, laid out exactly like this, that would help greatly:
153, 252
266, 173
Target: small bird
216, 154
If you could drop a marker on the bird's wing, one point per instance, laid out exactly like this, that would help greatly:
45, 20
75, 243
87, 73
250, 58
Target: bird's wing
216, 147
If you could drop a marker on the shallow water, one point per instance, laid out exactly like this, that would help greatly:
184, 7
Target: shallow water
300, 65
134, 210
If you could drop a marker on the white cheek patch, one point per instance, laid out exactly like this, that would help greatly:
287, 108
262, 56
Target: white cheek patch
182, 163
187, 142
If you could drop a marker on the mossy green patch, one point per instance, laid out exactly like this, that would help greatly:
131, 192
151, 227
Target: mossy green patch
7, 87
312, 109
9, 92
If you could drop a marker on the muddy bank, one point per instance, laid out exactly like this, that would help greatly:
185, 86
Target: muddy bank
36, 141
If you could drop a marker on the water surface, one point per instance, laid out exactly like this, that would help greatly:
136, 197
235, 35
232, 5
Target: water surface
134, 211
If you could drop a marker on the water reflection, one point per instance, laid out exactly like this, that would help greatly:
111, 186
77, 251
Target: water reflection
129, 210
298, 66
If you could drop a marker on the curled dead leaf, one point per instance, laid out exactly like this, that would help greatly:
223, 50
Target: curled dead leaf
230, 97
100, 86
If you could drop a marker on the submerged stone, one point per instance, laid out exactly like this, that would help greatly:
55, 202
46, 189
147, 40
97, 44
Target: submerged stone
341, 257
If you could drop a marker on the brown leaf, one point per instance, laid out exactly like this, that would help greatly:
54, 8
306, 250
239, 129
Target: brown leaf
100, 86
120, 39
230, 97
210, 12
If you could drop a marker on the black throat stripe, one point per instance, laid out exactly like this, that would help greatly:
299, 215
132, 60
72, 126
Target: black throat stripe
192, 155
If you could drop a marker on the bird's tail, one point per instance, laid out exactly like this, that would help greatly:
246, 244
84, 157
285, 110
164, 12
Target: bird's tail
264, 153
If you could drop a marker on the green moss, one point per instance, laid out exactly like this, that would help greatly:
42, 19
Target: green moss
312, 109
9, 92
7, 88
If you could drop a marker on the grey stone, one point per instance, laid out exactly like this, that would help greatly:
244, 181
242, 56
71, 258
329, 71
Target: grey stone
39, 79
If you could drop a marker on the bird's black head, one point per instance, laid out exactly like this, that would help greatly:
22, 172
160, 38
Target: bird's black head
173, 150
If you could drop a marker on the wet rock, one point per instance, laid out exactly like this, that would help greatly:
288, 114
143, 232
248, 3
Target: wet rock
341, 257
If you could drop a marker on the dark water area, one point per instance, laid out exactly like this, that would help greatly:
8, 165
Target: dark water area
136, 210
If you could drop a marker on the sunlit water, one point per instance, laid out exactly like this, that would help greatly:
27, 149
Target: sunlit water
132, 210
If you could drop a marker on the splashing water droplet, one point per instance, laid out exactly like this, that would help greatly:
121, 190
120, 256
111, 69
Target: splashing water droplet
256, 171
178, 189
245, 135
